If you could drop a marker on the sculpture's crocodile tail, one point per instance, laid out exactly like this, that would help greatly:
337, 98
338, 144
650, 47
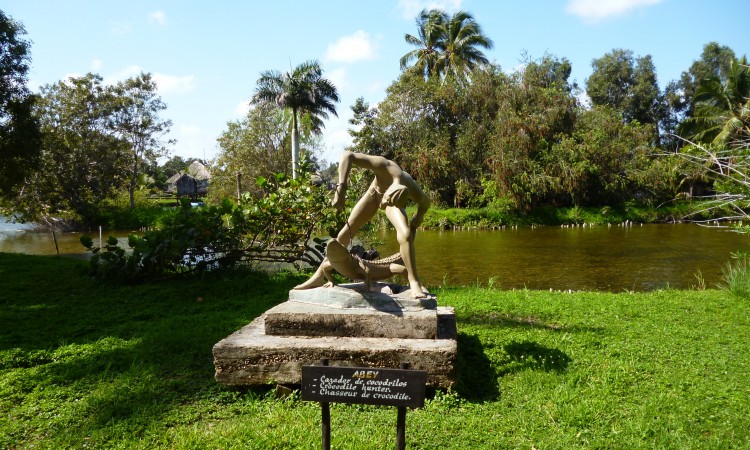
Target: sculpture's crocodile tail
394, 258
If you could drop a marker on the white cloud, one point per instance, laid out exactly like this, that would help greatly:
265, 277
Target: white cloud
157, 18
96, 64
167, 84
70, 75
171, 84
597, 10
518, 68
337, 137
410, 9
359, 46
127, 72
339, 78
242, 108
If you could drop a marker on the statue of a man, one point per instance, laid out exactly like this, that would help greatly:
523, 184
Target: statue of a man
390, 190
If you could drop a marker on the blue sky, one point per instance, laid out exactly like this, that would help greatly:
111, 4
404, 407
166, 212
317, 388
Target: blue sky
207, 56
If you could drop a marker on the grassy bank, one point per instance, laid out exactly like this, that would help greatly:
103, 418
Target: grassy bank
84, 364
492, 218
150, 212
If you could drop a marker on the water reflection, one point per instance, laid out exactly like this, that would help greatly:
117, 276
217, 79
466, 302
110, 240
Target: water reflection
24, 238
601, 258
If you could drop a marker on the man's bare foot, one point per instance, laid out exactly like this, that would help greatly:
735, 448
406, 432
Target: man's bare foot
314, 281
417, 291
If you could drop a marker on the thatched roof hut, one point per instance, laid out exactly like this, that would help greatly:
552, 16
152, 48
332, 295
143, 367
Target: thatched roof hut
192, 182
198, 171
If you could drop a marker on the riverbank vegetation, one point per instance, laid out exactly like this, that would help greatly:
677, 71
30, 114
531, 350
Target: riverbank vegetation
512, 145
154, 214
131, 367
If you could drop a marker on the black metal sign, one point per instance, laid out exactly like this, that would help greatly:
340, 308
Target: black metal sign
366, 385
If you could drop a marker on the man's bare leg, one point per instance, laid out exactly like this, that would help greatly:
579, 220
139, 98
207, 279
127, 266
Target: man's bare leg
318, 279
406, 245
363, 211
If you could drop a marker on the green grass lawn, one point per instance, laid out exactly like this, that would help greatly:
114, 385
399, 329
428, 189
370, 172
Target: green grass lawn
85, 364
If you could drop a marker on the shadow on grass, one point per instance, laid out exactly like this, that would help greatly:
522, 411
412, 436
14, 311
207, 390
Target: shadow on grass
476, 377
528, 355
100, 354
523, 322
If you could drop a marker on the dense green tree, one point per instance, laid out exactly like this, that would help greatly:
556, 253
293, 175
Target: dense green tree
416, 126
718, 133
136, 120
81, 161
304, 92
603, 160
532, 116
714, 62
364, 136
96, 141
175, 164
19, 130
253, 147
549, 72
627, 84
611, 79
519, 139
447, 46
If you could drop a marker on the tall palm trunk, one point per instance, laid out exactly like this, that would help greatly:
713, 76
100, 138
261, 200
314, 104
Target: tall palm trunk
295, 144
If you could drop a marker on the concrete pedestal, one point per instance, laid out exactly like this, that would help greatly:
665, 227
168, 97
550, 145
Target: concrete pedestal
275, 346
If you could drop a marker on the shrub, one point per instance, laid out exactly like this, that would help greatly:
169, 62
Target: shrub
736, 275
276, 228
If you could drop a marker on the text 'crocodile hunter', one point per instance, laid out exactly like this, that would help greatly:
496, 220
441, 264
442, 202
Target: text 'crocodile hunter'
365, 385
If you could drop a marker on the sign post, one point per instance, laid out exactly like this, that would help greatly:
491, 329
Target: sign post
364, 385
401, 421
325, 409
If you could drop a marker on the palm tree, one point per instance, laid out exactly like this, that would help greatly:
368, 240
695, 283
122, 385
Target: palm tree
461, 54
722, 109
429, 43
446, 46
304, 91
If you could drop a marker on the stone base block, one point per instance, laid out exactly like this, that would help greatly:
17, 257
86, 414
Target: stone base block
303, 319
380, 297
251, 357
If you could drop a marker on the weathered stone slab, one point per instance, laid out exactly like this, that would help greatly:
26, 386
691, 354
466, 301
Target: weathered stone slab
447, 323
250, 356
307, 319
380, 297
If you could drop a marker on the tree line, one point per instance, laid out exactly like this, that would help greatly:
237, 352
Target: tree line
472, 134
76, 143
475, 135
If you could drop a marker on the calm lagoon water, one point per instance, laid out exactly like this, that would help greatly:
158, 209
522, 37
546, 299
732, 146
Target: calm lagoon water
600, 258
25, 238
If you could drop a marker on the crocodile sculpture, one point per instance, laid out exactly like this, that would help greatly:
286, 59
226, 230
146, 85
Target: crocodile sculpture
353, 267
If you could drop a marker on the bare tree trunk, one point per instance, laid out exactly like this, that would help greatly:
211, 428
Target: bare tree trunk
133, 181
